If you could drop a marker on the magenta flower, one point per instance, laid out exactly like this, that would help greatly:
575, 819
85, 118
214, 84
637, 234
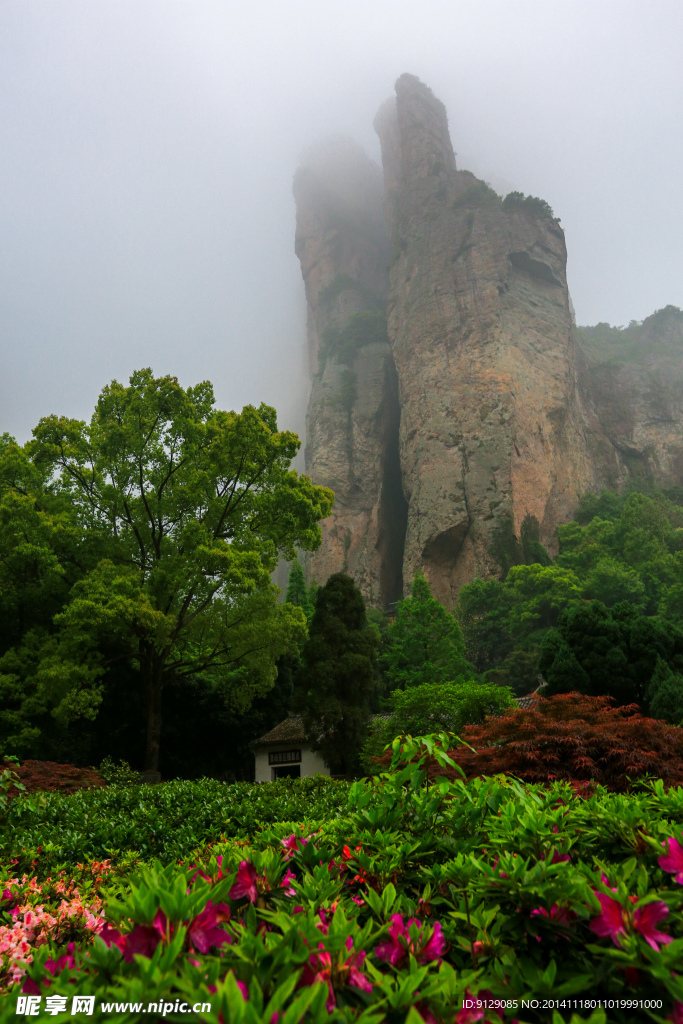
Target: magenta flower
65, 962
204, 931
401, 943
562, 915
142, 941
673, 861
320, 968
285, 883
472, 1015
676, 1015
7, 901
615, 921
558, 858
291, 844
245, 883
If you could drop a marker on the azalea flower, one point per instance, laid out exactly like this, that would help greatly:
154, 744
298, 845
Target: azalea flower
472, 1015
320, 968
562, 915
204, 932
401, 943
291, 844
284, 884
673, 861
245, 883
615, 921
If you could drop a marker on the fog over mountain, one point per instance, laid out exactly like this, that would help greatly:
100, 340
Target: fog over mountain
147, 155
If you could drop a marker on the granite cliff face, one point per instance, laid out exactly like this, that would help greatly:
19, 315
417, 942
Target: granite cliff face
471, 408
353, 412
635, 379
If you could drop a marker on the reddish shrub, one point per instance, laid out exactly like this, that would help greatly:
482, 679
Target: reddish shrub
48, 775
576, 738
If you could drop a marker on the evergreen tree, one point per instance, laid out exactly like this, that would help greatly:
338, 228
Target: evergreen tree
336, 679
425, 643
296, 585
666, 694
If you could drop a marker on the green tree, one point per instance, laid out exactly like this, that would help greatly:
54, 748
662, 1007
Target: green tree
538, 593
424, 642
609, 652
189, 509
434, 707
484, 613
666, 694
335, 682
296, 586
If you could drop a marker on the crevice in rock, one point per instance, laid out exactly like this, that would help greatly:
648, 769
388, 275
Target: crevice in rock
393, 507
534, 268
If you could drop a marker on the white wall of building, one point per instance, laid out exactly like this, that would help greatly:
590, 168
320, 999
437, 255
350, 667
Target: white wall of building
311, 764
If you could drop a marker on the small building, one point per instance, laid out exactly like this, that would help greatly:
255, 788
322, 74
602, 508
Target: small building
284, 752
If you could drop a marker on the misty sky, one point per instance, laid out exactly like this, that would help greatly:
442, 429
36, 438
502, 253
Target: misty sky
147, 151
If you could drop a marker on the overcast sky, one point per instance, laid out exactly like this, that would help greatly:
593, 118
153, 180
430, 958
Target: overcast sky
147, 149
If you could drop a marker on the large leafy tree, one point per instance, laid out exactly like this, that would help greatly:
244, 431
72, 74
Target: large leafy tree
615, 652
335, 682
188, 510
424, 642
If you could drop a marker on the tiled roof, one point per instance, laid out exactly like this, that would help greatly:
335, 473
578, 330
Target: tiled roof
526, 701
289, 731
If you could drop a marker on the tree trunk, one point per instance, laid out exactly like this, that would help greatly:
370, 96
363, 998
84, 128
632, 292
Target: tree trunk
154, 685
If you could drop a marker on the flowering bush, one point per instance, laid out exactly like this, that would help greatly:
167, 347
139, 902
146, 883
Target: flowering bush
447, 902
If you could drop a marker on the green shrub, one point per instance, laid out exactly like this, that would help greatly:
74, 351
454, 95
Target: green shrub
434, 706
120, 774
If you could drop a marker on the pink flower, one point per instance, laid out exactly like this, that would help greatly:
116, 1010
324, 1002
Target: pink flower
204, 931
401, 943
320, 968
615, 921
284, 884
245, 884
65, 962
8, 900
674, 859
676, 1015
558, 858
291, 844
470, 1014
563, 915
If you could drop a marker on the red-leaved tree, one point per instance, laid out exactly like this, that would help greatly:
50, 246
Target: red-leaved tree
573, 737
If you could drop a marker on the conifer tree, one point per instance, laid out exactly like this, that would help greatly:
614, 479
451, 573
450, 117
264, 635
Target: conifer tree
336, 677
296, 585
425, 643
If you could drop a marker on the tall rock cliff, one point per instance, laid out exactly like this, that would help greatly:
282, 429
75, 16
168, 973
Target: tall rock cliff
493, 427
634, 377
353, 413
471, 407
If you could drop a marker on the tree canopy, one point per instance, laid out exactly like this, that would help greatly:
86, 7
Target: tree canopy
169, 516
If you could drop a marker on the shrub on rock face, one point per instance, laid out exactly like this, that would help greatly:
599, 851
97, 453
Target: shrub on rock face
574, 738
